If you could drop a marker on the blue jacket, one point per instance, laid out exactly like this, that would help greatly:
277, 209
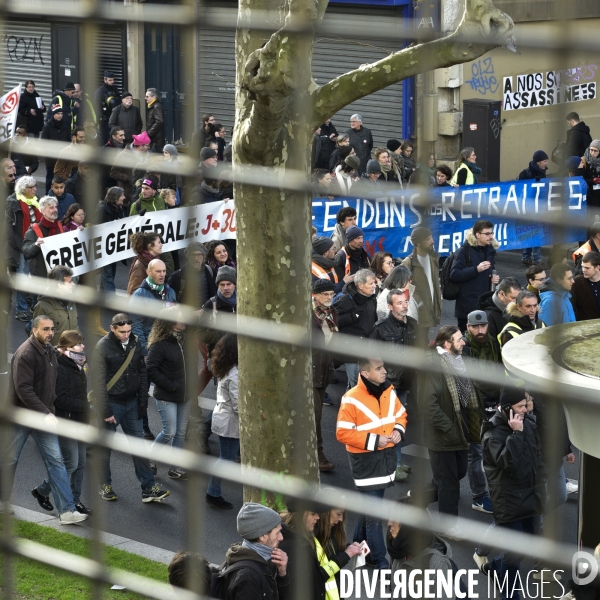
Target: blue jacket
555, 304
141, 325
63, 203
473, 283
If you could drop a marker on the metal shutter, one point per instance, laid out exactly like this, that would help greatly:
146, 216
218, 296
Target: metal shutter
26, 53
111, 53
381, 111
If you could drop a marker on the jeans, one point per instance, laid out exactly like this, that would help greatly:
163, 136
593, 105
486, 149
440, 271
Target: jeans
174, 417
47, 444
21, 305
507, 563
556, 488
126, 414
448, 469
477, 479
369, 529
74, 457
352, 373
228, 450
532, 254
108, 277
319, 396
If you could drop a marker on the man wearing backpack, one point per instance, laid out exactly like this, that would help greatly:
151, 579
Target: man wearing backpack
473, 268
256, 568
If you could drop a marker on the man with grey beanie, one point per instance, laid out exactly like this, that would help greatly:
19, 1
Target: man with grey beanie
256, 568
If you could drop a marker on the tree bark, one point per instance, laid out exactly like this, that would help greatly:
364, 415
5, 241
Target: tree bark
278, 106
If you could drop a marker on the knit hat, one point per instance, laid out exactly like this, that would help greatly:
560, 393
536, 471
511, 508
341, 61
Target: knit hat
344, 151
150, 181
354, 232
172, 150
143, 139
419, 234
195, 247
109, 74
373, 166
393, 145
323, 285
207, 153
69, 87
255, 520
572, 163
226, 273
56, 108
539, 156
477, 317
511, 395
595, 144
126, 95
322, 244
353, 161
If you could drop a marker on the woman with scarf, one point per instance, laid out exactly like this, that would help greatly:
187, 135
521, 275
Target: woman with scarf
71, 403
382, 265
589, 169
166, 369
147, 246
217, 257
343, 141
346, 174
389, 170
298, 530
225, 419
74, 218
467, 170
398, 279
407, 163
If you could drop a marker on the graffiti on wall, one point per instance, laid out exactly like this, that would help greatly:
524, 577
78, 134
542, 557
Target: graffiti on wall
483, 79
23, 49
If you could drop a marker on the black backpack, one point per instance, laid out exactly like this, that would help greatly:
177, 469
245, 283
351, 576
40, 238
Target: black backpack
451, 289
220, 580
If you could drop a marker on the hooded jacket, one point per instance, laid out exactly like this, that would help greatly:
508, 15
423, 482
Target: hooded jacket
473, 283
578, 140
514, 468
584, 304
430, 309
357, 313
555, 304
517, 324
496, 317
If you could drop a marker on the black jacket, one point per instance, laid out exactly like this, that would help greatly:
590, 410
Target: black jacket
400, 334
33, 253
105, 213
590, 172
488, 392
34, 123
22, 161
327, 264
13, 226
75, 185
129, 119
362, 262
57, 131
71, 391
211, 336
101, 95
578, 140
322, 361
518, 324
108, 357
362, 142
166, 370
68, 106
326, 147
247, 584
357, 313
207, 287
514, 468
155, 125
496, 318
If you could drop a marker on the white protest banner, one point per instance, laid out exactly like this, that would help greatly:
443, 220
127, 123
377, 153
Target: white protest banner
101, 245
9, 104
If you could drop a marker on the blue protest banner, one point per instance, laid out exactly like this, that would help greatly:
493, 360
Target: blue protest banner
388, 221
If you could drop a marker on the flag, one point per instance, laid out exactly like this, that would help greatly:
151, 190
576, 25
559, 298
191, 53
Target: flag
9, 105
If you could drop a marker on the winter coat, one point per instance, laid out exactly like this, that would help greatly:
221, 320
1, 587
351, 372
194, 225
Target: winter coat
68, 106
71, 391
357, 313
402, 335
208, 194
514, 469
339, 237
129, 119
142, 324
346, 264
322, 361
56, 131
430, 309
590, 172
166, 370
76, 186
532, 172
473, 283
517, 324
124, 175
207, 288
139, 267
362, 142
383, 309
247, 584
101, 95
13, 230
327, 146
584, 305
105, 213
152, 204
488, 392
225, 418
555, 304
155, 125
33, 376
554, 433
63, 202
320, 264
443, 420
64, 315
107, 359
496, 318
210, 337
578, 255
23, 161
578, 140
33, 253
34, 123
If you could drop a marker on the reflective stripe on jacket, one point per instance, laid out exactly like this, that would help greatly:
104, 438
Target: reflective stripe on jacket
347, 267
331, 567
321, 273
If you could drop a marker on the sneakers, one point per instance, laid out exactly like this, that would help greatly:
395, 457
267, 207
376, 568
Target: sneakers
456, 534
43, 501
107, 493
72, 516
177, 473
401, 474
148, 435
325, 465
404, 468
218, 502
155, 494
484, 505
572, 486
83, 509
23, 317
153, 467
327, 401
482, 562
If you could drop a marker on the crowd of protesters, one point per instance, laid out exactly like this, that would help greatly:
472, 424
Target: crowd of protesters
498, 435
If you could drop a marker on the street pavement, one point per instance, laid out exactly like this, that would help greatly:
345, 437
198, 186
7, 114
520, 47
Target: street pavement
164, 525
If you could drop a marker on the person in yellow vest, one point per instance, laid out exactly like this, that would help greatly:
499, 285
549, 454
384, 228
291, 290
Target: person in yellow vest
371, 421
467, 169
298, 530
522, 317
323, 265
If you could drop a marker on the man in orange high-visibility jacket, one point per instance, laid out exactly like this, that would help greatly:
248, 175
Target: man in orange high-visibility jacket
371, 422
